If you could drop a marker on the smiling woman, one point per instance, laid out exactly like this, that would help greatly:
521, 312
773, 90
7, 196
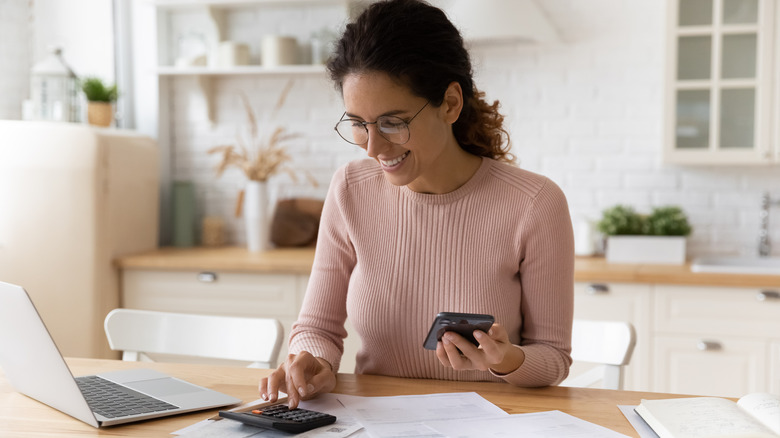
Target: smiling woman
436, 220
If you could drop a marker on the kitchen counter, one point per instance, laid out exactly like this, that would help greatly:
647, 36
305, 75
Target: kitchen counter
299, 261
228, 258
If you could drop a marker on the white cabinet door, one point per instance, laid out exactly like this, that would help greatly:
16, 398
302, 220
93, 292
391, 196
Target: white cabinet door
716, 365
620, 302
713, 340
774, 367
720, 107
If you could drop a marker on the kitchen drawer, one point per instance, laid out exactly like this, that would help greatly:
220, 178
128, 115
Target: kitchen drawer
716, 310
222, 293
724, 366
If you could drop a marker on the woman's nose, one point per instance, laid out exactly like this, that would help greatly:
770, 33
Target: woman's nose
376, 143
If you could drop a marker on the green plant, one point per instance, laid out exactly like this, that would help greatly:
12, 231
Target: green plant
620, 220
97, 91
662, 221
667, 221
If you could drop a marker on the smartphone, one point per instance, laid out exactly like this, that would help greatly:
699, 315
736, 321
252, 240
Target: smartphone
462, 323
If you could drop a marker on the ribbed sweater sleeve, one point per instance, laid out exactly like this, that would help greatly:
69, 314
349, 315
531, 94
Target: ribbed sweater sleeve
391, 259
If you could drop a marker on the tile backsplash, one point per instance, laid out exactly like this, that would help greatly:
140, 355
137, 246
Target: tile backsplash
586, 112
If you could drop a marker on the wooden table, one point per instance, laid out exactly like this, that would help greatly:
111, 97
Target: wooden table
23, 417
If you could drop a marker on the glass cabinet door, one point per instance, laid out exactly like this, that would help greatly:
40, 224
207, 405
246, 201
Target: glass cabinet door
719, 81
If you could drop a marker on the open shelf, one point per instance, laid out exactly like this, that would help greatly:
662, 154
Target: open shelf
242, 70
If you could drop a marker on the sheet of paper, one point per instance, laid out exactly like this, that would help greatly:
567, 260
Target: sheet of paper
533, 425
385, 417
765, 407
637, 422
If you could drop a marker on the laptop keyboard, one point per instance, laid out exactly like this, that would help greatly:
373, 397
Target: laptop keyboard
112, 400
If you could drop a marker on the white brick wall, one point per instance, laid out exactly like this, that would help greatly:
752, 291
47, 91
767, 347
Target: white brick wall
586, 112
14, 56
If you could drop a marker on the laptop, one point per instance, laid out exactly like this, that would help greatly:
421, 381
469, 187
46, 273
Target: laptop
33, 365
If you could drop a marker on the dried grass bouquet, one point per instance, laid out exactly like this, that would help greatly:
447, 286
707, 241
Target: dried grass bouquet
260, 160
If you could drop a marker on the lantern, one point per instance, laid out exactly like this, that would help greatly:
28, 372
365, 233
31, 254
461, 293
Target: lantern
54, 90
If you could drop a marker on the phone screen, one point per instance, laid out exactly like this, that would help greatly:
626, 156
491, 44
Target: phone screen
462, 323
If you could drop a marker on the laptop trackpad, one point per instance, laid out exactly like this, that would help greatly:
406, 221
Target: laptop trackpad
164, 387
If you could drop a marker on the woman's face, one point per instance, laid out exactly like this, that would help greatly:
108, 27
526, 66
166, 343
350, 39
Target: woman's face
421, 162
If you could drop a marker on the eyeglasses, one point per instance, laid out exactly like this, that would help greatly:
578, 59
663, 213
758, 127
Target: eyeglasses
391, 128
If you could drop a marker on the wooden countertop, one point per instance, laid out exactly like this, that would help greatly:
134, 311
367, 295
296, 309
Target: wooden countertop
228, 258
299, 261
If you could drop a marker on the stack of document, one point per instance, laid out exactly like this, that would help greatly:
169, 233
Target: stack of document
454, 415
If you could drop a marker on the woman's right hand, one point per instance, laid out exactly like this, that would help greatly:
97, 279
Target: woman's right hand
301, 376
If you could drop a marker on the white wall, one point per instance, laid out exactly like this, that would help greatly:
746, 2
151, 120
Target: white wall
14, 57
586, 112
83, 28
29, 28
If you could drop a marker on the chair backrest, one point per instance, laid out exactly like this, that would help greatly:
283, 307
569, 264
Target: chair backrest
609, 344
140, 334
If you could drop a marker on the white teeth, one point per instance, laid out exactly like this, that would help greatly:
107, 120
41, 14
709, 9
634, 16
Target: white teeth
394, 161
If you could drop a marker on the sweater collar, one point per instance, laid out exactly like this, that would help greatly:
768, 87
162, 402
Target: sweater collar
460, 192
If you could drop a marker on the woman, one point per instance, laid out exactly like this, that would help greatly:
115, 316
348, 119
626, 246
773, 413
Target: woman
435, 220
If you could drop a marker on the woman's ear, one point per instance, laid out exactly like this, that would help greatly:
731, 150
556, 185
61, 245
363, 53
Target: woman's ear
453, 102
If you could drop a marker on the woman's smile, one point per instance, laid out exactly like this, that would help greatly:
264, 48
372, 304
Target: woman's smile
393, 163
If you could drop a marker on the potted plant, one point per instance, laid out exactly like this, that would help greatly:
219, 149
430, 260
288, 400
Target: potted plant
659, 237
100, 99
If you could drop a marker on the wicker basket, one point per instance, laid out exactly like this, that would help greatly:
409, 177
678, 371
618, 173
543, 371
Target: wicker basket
100, 113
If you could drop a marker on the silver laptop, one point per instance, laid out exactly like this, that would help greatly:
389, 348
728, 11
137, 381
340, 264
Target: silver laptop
34, 366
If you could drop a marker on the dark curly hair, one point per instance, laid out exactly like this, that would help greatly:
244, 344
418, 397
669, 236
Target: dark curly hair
416, 44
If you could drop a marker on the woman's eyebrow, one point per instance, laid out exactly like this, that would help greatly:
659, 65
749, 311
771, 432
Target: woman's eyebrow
387, 113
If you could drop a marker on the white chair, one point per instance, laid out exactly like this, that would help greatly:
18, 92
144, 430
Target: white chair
144, 335
609, 344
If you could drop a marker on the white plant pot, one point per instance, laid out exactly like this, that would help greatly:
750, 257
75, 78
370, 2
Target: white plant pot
257, 216
669, 250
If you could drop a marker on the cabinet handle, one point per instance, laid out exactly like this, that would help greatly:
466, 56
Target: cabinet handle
766, 295
207, 277
709, 345
597, 289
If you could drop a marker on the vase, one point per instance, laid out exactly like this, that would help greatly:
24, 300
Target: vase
669, 250
100, 113
184, 211
257, 216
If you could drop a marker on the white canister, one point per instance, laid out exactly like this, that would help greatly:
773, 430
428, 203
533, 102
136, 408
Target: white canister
231, 53
278, 50
584, 237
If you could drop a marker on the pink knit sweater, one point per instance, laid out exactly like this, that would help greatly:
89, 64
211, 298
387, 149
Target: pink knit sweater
390, 259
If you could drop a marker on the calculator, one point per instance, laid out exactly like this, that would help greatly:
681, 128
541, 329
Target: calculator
281, 417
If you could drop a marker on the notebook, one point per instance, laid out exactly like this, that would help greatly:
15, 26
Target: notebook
33, 365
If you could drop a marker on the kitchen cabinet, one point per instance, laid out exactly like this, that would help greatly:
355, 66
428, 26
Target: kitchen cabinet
711, 334
708, 340
219, 292
620, 302
721, 97
725, 366
774, 366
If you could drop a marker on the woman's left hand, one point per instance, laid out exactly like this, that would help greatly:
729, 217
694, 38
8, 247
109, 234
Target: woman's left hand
495, 351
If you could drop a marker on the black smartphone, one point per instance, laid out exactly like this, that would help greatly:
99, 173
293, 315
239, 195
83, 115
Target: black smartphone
462, 323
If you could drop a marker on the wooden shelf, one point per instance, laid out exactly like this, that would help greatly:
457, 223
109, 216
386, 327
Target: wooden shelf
185, 4
242, 70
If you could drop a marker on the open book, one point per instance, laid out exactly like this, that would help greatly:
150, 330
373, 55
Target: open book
753, 416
